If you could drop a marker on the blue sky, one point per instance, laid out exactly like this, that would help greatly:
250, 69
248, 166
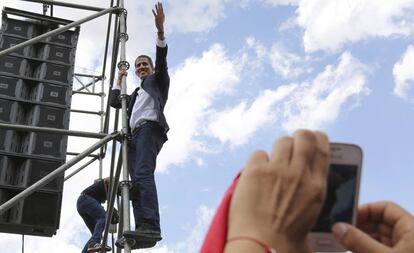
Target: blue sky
244, 73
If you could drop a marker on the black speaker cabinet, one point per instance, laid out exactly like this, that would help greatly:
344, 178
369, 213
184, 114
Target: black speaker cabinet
38, 214
36, 91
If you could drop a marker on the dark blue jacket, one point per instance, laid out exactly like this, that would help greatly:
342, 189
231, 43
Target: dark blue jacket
156, 85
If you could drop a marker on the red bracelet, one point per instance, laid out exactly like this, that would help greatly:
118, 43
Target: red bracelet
263, 244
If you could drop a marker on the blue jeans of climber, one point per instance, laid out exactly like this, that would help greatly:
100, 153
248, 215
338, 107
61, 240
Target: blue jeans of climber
93, 214
144, 147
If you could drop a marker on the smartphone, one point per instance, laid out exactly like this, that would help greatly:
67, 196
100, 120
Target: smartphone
341, 199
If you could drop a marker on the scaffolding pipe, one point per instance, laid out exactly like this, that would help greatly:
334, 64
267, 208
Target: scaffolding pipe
111, 199
113, 64
55, 32
108, 33
111, 180
81, 168
108, 109
84, 86
87, 112
57, 172
91, 76
25, 128
116, 43
120, 227
31, 15
75, 154
93, 85
89, 93
101, 128
102, 107
125, 185
81, 83
64, 4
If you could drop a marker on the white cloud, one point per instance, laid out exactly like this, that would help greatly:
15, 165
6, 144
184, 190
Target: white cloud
284, 62
315, 104
194, 86
226, 125
260, 51
329, 25
162, 249
197, 231
195, 16
245, 3
311, 104
338, 22
251, 57
282, 2
404, 73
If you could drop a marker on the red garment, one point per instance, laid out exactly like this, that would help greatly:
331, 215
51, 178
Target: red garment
216, 237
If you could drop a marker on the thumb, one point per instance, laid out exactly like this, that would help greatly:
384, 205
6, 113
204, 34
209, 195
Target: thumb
356, 240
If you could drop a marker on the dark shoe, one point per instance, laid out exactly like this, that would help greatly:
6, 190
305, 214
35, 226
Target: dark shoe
120, 242
97, 247
144, 234
135, 243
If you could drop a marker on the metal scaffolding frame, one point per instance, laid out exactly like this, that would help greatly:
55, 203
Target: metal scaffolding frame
119, 42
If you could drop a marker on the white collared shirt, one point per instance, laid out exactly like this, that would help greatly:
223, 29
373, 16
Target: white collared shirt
144, 107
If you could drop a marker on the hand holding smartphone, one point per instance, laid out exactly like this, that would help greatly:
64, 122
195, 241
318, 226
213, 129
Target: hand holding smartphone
278, 197
341, 199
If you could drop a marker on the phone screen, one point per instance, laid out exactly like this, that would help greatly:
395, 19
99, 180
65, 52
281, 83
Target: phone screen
340, 195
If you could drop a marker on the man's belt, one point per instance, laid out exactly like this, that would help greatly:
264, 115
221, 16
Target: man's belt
140, 124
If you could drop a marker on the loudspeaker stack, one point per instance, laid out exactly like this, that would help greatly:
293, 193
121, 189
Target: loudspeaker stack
35, 90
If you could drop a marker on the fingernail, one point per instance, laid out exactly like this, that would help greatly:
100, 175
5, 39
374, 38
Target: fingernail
339, 230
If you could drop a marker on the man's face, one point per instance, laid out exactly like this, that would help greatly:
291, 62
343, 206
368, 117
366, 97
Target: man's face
142, 67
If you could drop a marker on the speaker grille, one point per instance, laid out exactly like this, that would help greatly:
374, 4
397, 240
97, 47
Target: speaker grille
35, 90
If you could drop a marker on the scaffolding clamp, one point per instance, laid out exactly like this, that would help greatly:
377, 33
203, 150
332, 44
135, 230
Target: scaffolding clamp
122, 10
123, 136
45, 8
127, 183
124, 36
124, 64
124, 96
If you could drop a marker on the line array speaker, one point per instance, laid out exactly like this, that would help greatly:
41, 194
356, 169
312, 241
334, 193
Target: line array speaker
35, 90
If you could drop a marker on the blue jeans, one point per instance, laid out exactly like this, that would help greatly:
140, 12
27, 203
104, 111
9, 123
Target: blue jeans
93, 214
144, 147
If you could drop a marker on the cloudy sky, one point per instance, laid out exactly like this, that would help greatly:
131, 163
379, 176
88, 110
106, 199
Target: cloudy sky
243, 73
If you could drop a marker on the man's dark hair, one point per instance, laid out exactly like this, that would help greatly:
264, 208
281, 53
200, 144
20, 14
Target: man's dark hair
145, 56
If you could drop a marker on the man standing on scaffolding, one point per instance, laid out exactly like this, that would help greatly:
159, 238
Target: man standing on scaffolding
148, 128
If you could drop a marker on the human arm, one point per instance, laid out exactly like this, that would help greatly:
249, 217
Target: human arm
161, 68
381, 228
159, 20
114, 99
278, 198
